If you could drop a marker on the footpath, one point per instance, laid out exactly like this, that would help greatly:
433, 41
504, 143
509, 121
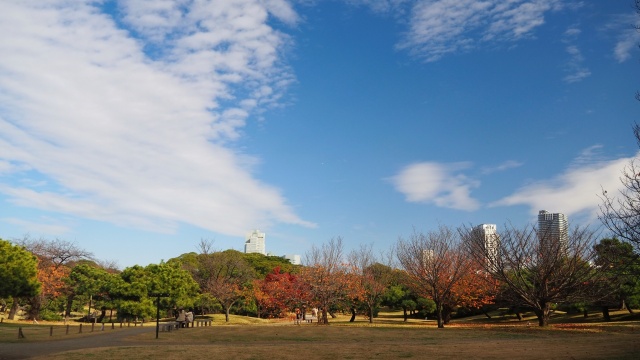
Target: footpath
26, 350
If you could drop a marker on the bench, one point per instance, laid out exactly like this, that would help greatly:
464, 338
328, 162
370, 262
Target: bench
169, 326
202, 322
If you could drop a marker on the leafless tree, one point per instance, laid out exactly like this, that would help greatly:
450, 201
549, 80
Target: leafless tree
620, 212
326, 276
435, 262
55, 252
53, 256
371, 278
539, 270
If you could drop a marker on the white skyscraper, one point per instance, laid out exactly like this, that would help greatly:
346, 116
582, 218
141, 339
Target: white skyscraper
490, 235
255, 243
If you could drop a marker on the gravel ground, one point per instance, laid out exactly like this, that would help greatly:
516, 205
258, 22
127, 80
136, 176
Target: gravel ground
26, 350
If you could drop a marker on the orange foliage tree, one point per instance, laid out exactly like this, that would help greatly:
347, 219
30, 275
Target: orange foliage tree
435, 264
326, 277
278, 293
370, 280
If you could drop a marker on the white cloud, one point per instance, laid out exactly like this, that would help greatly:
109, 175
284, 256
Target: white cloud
440, 27
128, 135
45, 226
628, 37
440, 184
509, 164
573, 192
575, 67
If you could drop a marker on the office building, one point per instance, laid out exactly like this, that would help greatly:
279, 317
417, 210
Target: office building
553, 228
255, 243
294, 259
491, 241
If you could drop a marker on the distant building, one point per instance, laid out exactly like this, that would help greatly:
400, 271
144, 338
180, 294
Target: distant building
294, 259
553, 228
255, 243
491, 241
428, 255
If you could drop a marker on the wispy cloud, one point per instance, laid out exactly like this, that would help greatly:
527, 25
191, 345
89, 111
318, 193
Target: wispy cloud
575, 68
47, 226
510, 164
628, 37
575, 190
129, 134
440, 184
441, 27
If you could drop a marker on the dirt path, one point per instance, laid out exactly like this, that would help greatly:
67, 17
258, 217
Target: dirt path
26, 350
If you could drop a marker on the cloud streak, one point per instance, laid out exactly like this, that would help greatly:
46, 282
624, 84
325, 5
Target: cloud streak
441, 27
575, 191
124, 134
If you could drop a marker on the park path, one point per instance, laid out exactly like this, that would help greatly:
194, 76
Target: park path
26, 350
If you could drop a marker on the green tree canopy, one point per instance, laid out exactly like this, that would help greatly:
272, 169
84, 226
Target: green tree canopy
18, 271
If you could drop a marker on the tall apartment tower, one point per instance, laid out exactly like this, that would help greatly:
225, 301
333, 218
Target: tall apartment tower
553, 227
255, 243
490, 235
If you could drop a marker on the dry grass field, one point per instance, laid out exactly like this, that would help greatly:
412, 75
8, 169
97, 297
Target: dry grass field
387, 338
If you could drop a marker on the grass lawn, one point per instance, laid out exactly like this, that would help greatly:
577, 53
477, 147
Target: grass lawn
387, 338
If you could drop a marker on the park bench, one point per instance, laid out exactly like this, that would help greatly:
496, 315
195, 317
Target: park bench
169, 326
202, 322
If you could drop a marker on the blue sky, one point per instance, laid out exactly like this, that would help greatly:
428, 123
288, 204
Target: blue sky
136, 128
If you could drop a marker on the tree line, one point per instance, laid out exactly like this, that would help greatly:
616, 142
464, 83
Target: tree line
439, 273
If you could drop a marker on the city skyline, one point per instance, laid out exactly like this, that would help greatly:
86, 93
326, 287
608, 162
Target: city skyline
136, 129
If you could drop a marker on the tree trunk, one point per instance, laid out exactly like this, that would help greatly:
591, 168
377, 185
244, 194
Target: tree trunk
226, 313
439, 313
543, 314
103, 313
325, 320
14, 309
446, 314
67, 311
35, 304
605, 313
370, 314
353, 314
404, 310
485, 313
519, 316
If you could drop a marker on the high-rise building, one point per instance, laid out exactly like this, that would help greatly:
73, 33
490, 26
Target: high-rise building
294, 259
489, 234
553, 228
255, 243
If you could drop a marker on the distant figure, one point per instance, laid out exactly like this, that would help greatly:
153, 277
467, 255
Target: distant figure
182, 317
298, 316
189, 318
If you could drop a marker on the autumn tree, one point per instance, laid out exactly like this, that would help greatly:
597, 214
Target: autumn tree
18, 272
326, 276
277, 293
54, 258
224, 275
538, 270
371, 279
435, 263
